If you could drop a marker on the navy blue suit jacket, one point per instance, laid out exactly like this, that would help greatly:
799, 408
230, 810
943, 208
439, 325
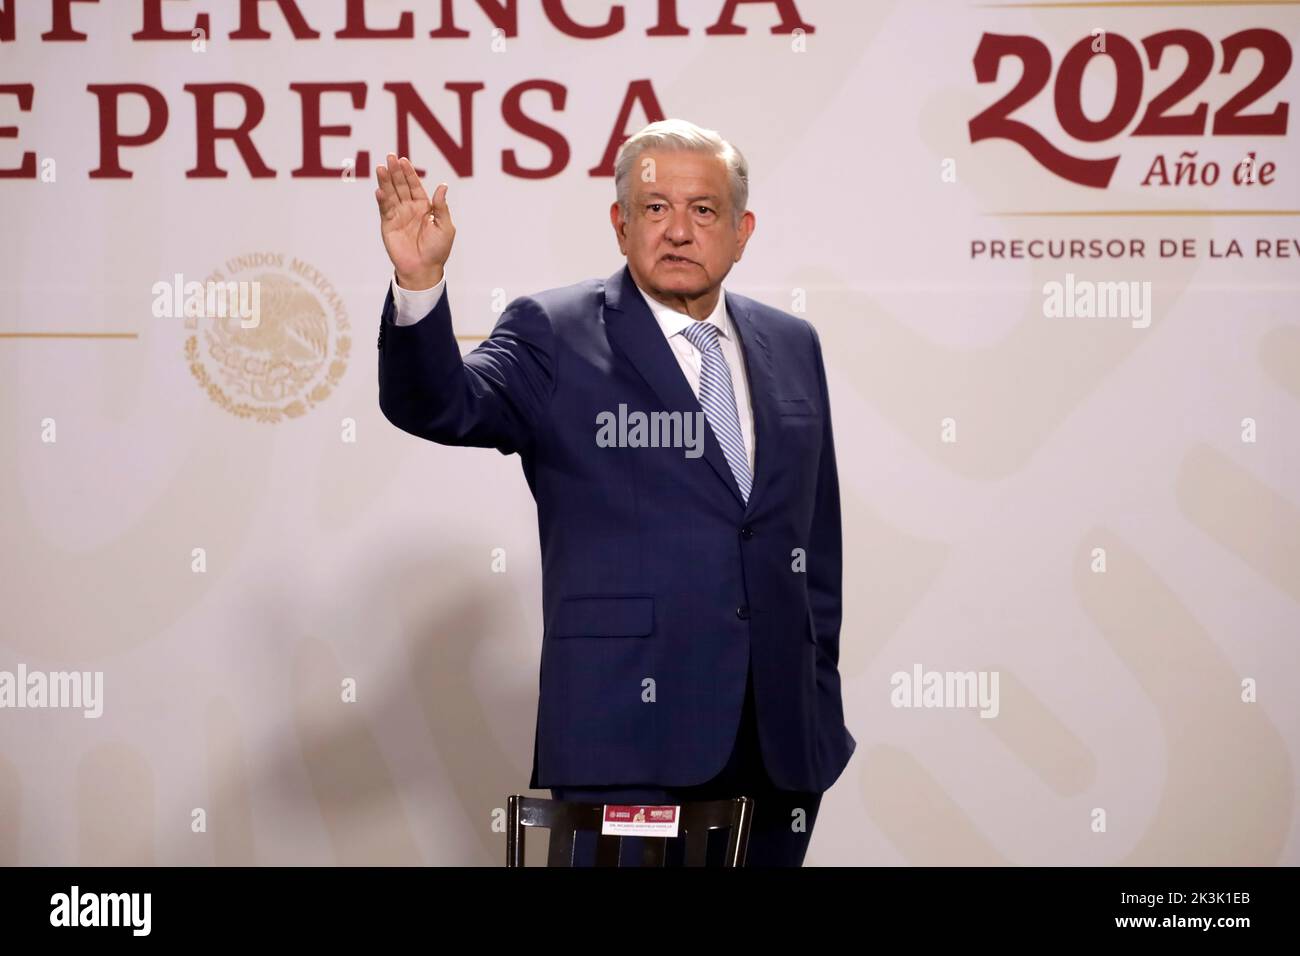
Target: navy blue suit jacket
653, 567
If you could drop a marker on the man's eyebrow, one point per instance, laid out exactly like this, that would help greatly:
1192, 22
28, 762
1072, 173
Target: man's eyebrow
708, 196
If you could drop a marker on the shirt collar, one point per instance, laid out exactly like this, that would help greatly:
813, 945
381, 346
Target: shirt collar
672, 321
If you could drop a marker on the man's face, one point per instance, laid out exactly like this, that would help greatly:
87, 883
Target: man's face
679, 238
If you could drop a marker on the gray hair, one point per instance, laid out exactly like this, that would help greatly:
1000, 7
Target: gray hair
679, 134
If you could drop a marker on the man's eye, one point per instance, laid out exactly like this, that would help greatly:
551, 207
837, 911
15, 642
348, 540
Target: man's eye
704, 209
654, 206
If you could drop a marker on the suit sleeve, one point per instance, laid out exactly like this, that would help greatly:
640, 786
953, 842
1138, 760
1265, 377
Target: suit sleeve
494, 397
825, 554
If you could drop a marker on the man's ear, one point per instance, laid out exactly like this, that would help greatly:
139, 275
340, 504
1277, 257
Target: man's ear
620, 227
744, 231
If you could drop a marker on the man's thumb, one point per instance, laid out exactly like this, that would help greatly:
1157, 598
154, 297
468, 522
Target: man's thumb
438, 204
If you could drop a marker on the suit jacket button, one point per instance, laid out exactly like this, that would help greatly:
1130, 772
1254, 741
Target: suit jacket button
742, 612
747, 532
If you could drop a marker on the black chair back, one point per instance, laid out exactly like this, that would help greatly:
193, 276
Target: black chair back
566, 818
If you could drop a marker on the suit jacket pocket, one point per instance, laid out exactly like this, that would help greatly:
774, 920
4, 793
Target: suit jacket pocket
794, 407
604, 615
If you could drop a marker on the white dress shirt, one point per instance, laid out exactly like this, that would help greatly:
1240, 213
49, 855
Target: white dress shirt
413, 305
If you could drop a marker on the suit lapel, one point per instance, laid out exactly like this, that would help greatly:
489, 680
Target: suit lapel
632, 329
762, 395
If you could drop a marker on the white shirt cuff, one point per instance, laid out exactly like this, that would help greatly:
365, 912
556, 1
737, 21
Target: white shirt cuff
414, 304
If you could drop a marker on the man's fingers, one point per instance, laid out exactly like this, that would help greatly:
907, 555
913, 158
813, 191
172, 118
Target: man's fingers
399, 179
413, 180
399, 184
386, 191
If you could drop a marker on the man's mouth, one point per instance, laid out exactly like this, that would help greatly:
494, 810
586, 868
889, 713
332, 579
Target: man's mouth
679, 259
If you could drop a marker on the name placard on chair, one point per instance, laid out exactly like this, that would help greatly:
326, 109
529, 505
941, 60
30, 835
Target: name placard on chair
640, 820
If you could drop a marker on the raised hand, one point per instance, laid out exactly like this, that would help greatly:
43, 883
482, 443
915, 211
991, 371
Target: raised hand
417, 230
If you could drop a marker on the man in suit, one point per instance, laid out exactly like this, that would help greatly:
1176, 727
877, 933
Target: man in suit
691, 594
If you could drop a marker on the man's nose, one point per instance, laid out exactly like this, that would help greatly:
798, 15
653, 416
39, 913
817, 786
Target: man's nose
679, 226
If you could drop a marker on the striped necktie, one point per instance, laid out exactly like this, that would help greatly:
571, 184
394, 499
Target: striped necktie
718, 400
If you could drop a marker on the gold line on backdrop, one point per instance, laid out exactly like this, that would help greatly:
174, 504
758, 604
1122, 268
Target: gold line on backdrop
1149, 212
1140, 3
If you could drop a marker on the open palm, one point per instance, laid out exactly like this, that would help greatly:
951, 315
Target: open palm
417, 230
